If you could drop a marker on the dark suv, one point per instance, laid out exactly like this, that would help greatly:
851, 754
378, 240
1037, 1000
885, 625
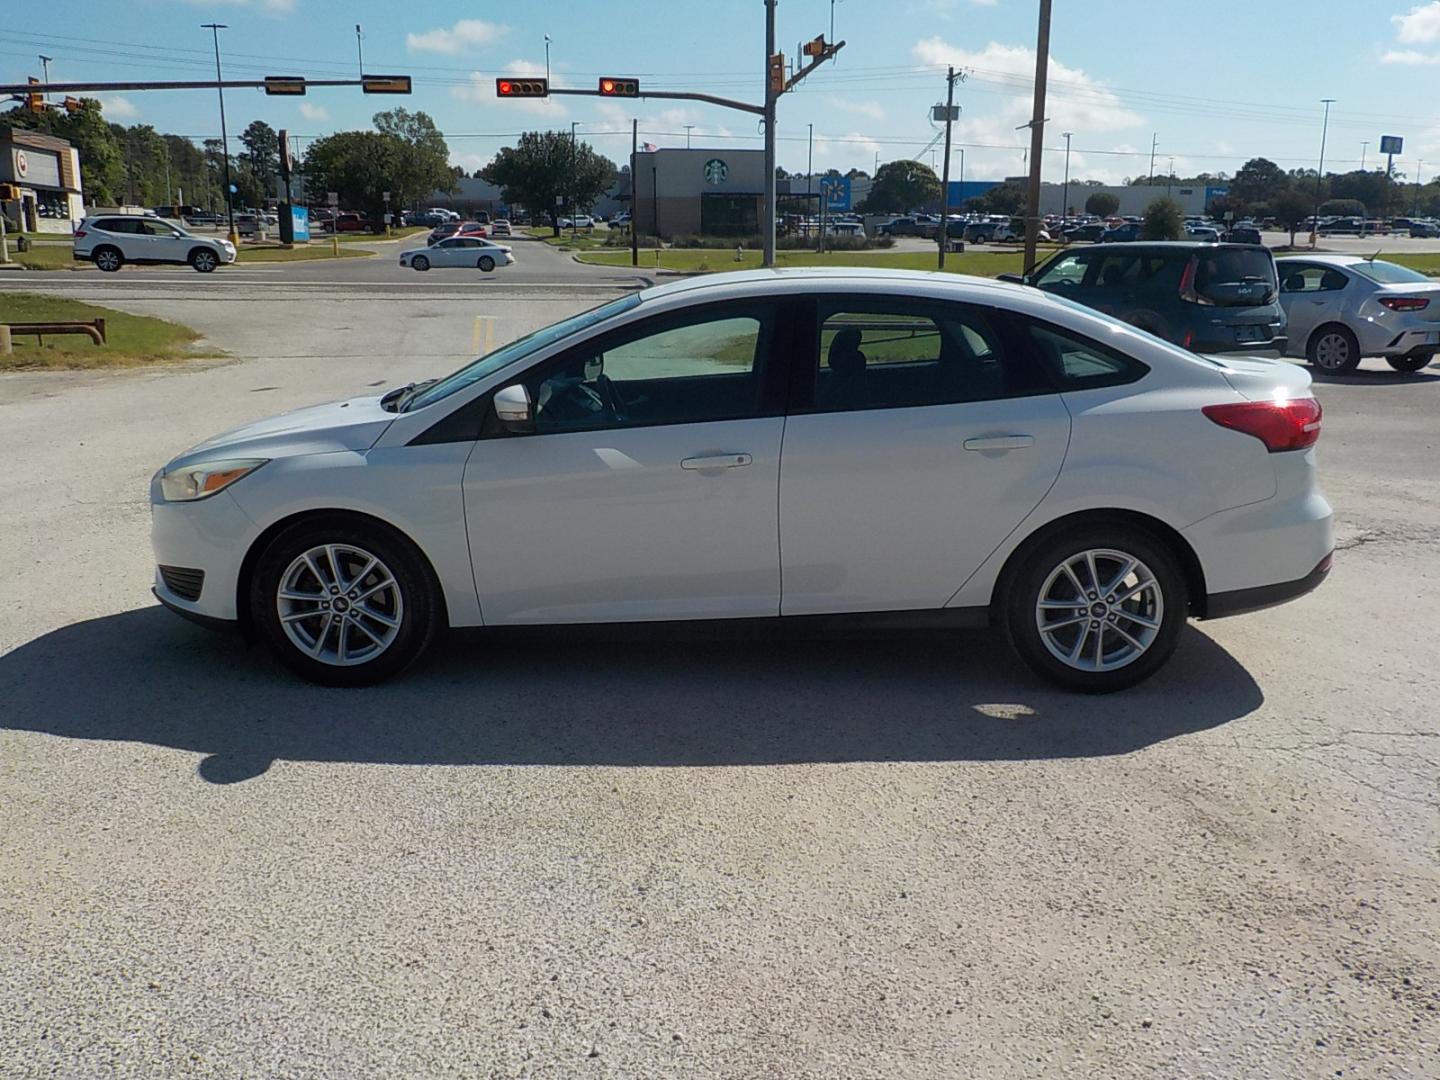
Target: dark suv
1209, 298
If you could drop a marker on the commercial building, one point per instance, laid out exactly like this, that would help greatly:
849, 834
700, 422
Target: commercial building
1134, 198
47, 171
699, 191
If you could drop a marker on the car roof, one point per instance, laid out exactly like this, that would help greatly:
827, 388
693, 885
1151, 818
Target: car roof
1339, 259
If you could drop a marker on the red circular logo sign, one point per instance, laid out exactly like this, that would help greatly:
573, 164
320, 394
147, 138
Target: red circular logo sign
22, 163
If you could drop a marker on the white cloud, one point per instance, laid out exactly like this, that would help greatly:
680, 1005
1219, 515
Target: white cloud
274, 7
871, 109
465, 35
116, 107
480, 90
1408, 56
471, 162
1420, 26
314, 112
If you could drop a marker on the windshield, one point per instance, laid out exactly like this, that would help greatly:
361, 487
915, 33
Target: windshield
1388, 273
518, 350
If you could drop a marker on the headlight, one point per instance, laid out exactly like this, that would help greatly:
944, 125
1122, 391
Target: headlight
201, 481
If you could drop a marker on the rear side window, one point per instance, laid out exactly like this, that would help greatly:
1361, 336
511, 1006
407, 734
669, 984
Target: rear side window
120, 225
1310, 278
1388, 273
1074, 362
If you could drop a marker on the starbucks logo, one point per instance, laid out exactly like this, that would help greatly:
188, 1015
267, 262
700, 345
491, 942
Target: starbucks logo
716, 172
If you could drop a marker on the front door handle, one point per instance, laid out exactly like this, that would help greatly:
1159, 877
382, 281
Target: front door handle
716, 461
1000, 442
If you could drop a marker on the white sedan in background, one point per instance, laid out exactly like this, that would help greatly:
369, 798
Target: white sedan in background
956, 452
468, 251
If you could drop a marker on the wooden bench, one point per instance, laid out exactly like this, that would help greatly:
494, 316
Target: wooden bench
93, 328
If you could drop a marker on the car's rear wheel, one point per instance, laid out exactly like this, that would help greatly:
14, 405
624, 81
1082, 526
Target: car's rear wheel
420, 262
203, 260
108, 259
486, 263
343, 603
1098, 609
1334, 349
1413, 362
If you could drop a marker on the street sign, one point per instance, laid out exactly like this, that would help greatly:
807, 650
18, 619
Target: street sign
385, 195
284, 84
385, 84
332, 198
1391, 144
941, 113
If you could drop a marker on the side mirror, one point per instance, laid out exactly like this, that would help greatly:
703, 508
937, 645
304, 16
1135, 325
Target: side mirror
513, 410
1014, 279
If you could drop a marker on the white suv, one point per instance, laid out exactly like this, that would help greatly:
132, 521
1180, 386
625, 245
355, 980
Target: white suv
112, 240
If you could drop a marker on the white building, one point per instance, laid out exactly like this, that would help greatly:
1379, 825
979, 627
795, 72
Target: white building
47, 171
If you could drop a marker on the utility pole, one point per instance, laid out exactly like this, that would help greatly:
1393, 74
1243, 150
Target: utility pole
767, 227
1415, 210
215, 29
1037, 134
943, 234
547, 58
574, 158
809, 173
1065, 196
687, 135
1169, 177
1320, 170
1154, 141
359, 51
634, 195
45, 63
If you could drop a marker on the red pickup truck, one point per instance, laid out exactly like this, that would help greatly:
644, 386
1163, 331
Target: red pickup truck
348, 221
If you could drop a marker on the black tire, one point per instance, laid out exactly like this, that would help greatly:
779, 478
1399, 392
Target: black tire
204, 260
1413, 362
108, 258
1020, 603
420, 604
421, 263
1333, 349
486, 263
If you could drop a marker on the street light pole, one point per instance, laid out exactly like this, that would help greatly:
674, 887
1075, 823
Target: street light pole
943, 234
1415, 210
574, 158
1065, 191
767, 227
687, 135
45, 63
809, 172
1320, 171
547, 58
359, 51
1037, 135
215, 29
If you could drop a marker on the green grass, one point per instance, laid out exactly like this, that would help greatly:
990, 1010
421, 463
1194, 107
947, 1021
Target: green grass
581, 241
47, 257
982, 263
364, 237
131, 340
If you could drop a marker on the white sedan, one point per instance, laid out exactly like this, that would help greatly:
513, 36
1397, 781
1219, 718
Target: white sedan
817, 445
469, 251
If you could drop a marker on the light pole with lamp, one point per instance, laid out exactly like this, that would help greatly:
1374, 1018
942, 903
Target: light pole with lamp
1320, 171
1065, 191
215, 29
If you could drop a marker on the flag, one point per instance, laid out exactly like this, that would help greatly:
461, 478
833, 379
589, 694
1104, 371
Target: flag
648, 148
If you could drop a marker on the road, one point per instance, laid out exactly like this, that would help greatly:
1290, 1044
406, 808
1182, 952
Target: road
644, 855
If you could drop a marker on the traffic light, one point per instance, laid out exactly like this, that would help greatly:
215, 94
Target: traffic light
777, 73
34, 101
612, 87
385, 84
285, 85
522, 87
816, 47
74, 105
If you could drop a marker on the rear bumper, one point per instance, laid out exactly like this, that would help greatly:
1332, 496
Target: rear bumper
1274, 348
1240, 601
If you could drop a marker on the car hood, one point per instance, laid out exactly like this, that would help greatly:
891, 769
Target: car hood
339, 425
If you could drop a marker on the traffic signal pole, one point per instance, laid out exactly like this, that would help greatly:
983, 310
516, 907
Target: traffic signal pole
767, 227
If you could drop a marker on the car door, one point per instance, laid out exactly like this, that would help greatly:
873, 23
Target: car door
1310, 294
647, 488
450, 252
165, 243
917, 440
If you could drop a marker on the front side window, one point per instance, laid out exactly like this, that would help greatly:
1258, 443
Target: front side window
1066, 270
679, 370
887, 354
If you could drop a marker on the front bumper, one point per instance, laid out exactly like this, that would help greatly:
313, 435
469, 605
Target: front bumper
211, 535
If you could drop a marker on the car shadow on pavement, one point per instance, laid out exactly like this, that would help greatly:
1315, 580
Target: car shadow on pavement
630, 699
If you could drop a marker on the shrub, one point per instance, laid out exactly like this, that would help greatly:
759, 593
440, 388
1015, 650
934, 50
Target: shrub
1163, 220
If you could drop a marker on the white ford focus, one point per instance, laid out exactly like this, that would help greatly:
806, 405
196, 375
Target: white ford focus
853, 444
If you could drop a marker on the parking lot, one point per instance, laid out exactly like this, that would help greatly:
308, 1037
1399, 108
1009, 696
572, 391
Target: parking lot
637, 855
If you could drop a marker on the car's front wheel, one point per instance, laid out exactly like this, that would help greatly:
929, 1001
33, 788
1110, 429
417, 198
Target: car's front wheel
109, 259
1413, 362
344, 603
1097, 609
420, 262
203, 260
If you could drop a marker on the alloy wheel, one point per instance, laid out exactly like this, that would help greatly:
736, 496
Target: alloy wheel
107, 260
204, 261
340, 605
1099, 610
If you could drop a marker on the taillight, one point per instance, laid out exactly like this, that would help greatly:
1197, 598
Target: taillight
1405, 303
1187, 285
1280, 425
79, 233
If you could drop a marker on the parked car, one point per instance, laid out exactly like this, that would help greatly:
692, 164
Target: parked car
440, 232
1242, 234
1209, 298
988, 232
1122, 234
1424, 229
426, 218
956, 452
112, 240
1089, 233
1341, 308
500, 227
1206, 234
579, 221
906, 226
469, 251
1339, 226
202, 217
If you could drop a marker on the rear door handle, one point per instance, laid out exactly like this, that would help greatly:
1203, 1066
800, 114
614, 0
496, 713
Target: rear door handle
1000, 442
716, 461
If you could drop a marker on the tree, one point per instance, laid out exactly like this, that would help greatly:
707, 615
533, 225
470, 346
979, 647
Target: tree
359, 166
546, 165
422, 159
1291, 209
1342, 208
1163, 220
1102, 204
258, 164
1000, 199
1258, 180
901, 186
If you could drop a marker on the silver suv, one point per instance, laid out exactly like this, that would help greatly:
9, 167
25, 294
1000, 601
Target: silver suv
112, 240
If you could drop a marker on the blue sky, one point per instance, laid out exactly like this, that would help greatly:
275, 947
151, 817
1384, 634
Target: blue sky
1120, 73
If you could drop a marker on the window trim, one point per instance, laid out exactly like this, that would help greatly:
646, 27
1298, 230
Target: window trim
806, 366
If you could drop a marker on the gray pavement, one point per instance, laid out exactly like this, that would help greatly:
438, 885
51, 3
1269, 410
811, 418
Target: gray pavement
558, 855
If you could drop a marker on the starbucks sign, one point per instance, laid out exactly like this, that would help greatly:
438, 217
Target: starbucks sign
716, 172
